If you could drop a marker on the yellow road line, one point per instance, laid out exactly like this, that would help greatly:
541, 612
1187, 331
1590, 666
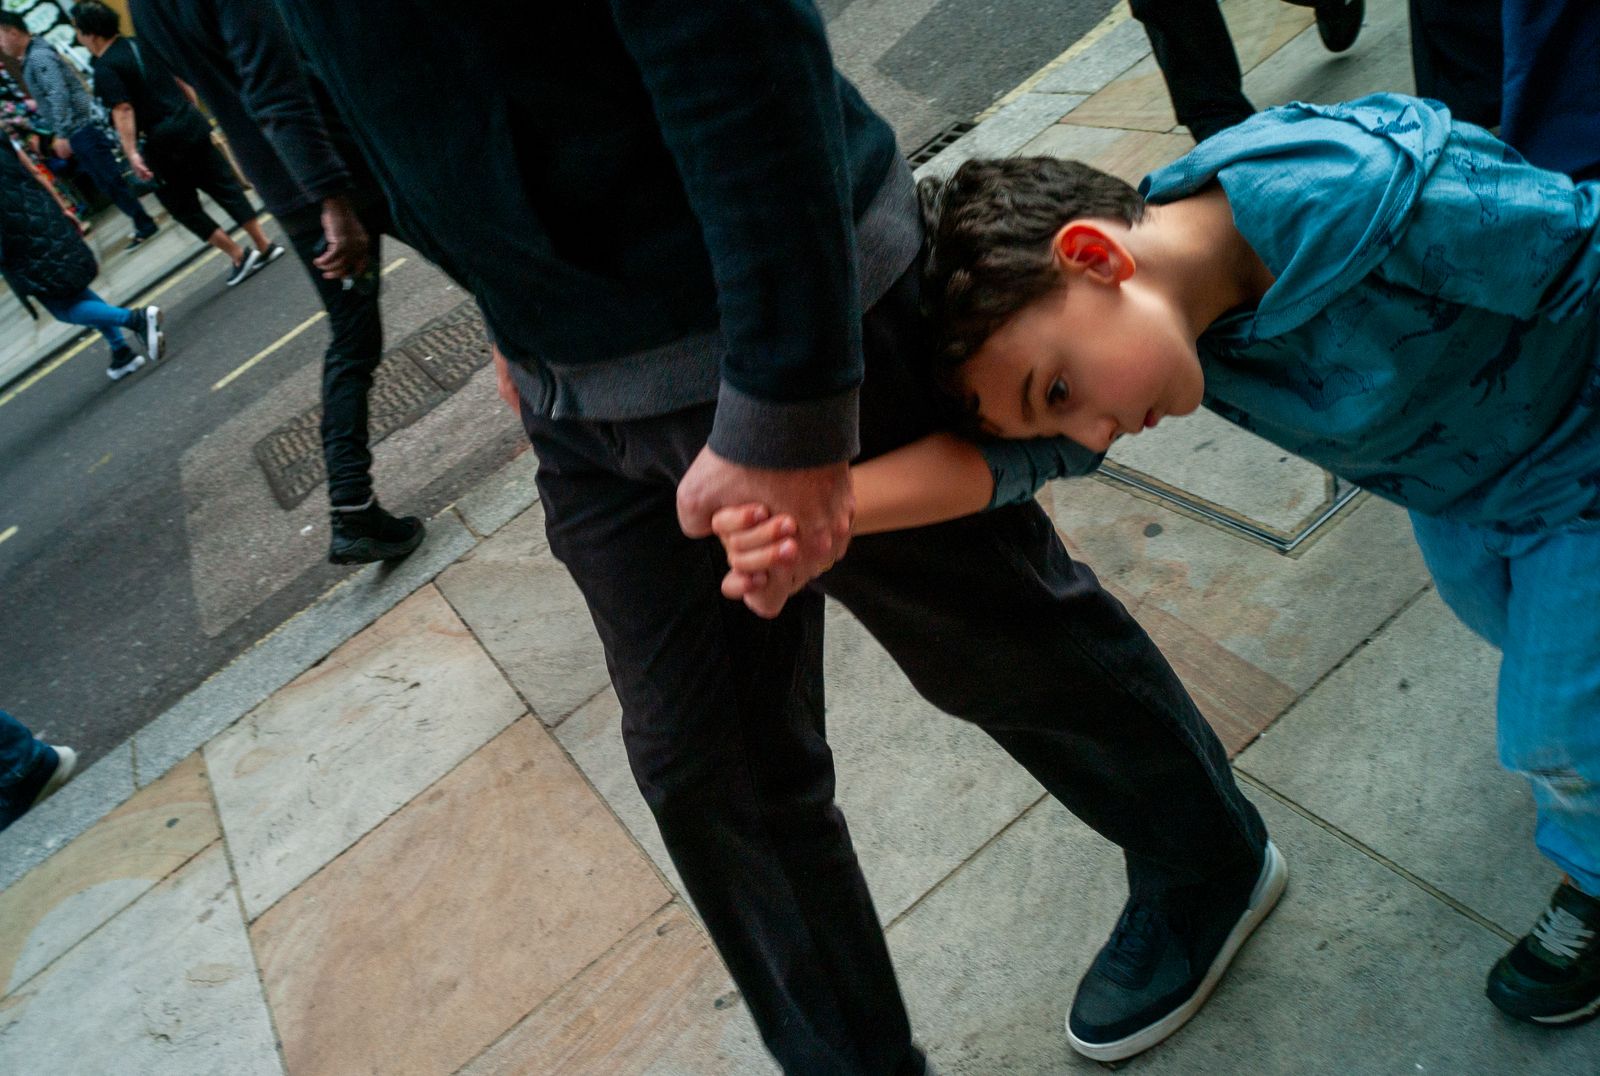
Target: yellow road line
286, 337
7, 533
269, 349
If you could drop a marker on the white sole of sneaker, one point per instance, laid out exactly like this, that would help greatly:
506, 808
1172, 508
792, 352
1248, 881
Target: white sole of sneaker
68, 762
1263, 898
155, 341
123, 371
1569, 1017
252, 262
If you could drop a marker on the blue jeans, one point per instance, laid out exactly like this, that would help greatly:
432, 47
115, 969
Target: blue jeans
92, 148
88, 309
1537, 598
20, 758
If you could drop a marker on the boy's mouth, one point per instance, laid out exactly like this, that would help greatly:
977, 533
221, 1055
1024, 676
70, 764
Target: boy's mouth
1151, 418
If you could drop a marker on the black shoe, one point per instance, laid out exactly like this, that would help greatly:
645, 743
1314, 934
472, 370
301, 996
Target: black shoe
124, 363
139, 239
1339, 22
367, 534
1204, 127
245, 266
1552, 976
147, 323
1161, 965
271, 254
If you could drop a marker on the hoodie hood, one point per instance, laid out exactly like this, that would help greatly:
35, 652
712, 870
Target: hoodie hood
1277, 203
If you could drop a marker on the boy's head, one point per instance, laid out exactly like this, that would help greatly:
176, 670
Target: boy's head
96, 24
14, 36
1030, 280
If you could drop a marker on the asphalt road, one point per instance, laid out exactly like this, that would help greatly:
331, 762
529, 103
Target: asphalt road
147, 552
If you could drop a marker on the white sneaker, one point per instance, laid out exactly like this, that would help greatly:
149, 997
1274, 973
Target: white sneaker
67, 762
155, 341
247, 265
132, 360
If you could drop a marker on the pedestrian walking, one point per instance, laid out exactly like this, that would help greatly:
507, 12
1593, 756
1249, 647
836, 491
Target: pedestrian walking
43, 257
64, 110
150, 110
238, 57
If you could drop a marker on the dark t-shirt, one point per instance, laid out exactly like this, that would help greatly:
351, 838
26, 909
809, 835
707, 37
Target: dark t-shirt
125, 74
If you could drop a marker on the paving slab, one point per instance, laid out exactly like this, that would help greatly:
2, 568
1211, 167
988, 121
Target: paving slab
37, 835
1091, 70
387, 962
334, 753
1397, 749
922, 791
1130, 155
527, 612
1357, 971
1302, 70
113, 864
501, 497
168, 986
1293, 618
659, 1002
1018, 121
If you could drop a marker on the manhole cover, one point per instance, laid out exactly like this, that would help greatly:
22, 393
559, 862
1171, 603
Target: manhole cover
413, 378
938, 143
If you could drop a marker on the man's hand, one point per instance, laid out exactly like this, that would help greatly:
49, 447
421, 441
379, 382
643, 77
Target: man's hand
817, 499
61, 148
140, 169
503, 384
347, 240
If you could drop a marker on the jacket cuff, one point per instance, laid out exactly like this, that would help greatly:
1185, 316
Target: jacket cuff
785, 436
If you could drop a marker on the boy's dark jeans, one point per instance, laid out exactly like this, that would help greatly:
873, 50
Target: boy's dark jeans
723, 712
354, 348
92, 147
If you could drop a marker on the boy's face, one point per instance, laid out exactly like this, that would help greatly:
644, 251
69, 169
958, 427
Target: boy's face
1090, 361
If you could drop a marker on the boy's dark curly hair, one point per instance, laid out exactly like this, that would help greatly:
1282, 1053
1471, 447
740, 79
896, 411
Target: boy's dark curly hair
987, 241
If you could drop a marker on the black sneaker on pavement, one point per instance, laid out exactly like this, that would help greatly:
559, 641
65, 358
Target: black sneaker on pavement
147, 323
1161, 965
138, 240
1339, 22
124, 363
245, 266
271, 254
1552, 976
364, 535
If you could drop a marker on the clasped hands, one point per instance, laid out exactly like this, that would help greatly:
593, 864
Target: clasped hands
780, 528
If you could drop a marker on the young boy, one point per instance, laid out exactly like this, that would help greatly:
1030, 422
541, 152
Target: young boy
1400, 299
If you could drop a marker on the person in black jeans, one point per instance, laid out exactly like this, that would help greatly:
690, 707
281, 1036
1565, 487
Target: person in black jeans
237, 56
697, 248
1197, 59
63, 105
145, 101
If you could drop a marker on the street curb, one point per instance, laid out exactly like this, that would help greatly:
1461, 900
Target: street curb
250, 679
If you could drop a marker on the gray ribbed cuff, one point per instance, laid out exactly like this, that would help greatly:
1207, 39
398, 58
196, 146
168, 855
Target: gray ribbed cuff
785, 436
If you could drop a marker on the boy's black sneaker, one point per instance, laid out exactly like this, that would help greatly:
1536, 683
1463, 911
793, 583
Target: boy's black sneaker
245, 266
1161, 964
1339, 22
124, 363
1552, 976
364, 535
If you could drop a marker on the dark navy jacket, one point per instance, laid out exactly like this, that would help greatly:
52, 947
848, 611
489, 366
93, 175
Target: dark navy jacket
655, 204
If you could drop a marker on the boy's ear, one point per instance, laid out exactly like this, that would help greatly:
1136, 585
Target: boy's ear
1087, 248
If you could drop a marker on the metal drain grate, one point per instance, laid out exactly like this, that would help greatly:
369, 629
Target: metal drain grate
414, 377
938, 143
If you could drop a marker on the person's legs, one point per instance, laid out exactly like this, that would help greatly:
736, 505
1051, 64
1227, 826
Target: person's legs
723, 721
89, 310
1549, 732
214, 175
1551, 107
93, 151
179, 194
30, 769
1197, 59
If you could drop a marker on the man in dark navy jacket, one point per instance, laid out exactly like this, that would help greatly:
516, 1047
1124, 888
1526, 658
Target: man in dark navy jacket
698, 247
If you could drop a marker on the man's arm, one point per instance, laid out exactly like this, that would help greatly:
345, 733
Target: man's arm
127, 126
44, 74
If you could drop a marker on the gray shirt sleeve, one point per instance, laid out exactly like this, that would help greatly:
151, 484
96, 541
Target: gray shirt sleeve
46, 76
1021, 468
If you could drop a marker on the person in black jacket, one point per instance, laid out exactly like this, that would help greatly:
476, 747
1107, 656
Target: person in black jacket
698, 248
237, 56
43, 257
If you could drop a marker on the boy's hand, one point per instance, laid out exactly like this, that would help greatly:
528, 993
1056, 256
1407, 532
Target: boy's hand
755, 542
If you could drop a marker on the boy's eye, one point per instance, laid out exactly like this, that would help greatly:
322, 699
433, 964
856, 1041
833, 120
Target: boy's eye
1055, 393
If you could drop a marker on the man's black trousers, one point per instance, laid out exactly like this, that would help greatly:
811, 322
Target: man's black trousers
723, 717
355, 345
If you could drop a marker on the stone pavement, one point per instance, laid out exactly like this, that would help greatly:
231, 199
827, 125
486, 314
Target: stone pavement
400, 836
